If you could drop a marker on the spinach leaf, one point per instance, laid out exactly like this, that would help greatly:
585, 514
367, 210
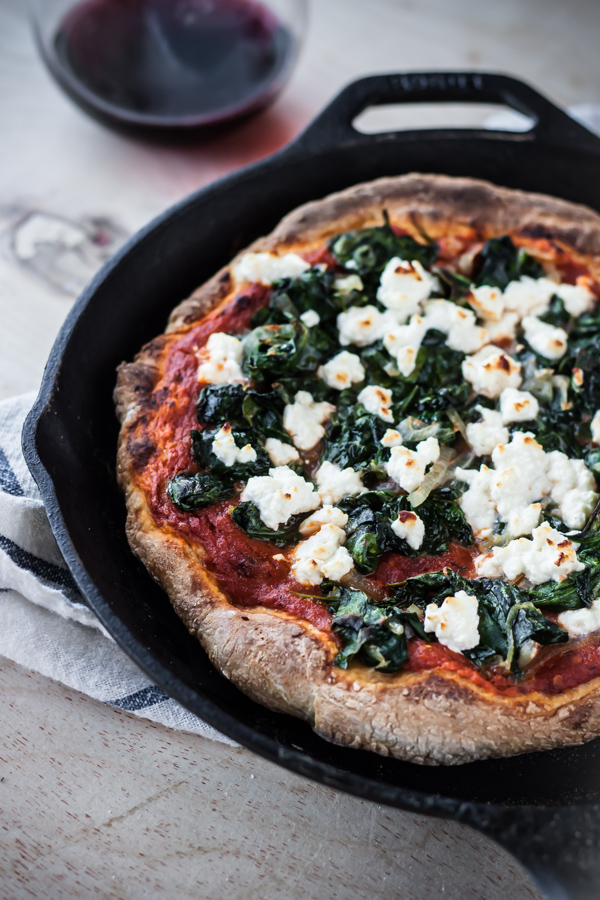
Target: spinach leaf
368, 630
220, 403
264, 414
247, 516
499, 262
190, 491
556, 314
204, 456
368, 250
273, 352
440, 384
353, 436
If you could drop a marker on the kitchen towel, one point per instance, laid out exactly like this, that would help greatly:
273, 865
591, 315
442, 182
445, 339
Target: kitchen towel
45, 624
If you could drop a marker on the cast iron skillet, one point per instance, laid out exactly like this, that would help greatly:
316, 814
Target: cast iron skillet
543, 807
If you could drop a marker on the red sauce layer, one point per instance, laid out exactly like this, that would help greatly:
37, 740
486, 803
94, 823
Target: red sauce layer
245, 568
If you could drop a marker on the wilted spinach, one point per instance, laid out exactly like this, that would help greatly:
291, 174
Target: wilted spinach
272, 352
190, 491
368, 250
353, 436
247, 516
312, 290
499, 262
373, 632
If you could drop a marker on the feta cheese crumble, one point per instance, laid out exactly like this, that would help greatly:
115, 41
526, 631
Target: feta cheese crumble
280, 495
455, 622
303, 420
362, 325
220, 360
577, 298
487, 301
491, 370
322, 556
548, 341
327, 515
595, 427
410, 528
334, 483
310, 318
342, 371
548, 556
517, 406
281, 454
407, 467
377, 400
485, 436
266, 268
391, 438
529, 296
225, 448
404, 285
581, 621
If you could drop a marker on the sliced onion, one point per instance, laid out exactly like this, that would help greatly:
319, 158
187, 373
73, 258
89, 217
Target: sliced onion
358, 582
458, 423
435, 478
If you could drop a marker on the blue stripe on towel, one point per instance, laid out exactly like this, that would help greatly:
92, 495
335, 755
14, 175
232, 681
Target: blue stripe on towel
59, 578
149, 696
8, 480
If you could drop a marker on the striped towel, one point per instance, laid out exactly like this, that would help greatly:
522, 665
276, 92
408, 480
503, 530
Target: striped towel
45, 624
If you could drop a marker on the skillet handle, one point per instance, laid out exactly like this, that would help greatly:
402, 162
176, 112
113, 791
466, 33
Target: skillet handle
560, 846
334, 125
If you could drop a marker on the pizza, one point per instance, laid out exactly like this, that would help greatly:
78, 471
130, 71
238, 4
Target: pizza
363, 463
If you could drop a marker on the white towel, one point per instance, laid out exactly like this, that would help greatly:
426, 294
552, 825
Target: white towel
45, 623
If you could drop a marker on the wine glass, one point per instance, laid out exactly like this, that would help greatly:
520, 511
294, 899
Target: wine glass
170, 64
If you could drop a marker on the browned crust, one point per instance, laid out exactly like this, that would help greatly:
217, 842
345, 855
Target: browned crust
286, 664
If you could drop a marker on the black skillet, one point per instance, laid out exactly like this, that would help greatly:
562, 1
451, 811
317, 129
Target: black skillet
543, 807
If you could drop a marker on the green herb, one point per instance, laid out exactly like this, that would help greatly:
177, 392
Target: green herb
190, 491
499, 262
353, 436
220, 403
247, 516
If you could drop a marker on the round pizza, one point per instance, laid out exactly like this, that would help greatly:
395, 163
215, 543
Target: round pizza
363, 463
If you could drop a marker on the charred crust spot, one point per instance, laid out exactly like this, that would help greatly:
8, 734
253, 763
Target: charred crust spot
225, 278
140, 451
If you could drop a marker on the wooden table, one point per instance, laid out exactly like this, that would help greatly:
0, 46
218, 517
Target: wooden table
96, 802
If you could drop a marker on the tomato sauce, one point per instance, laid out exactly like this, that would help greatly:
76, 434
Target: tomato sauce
245, 569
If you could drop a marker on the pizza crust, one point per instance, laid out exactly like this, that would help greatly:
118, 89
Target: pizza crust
435, 717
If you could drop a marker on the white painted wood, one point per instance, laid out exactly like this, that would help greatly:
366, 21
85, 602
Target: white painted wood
99, 803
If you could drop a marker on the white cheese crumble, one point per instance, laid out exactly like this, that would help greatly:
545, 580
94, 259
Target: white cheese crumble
280, 495
303, 420
545, 339
595, 427
523, 475
225, 448
581, 621
485, 436
220, 359
404, 285
577, 298
487, 301
391, 438
407, 467
491, 370
409, 527
377, 400
529, 296
362, 325
505, 329
327, 515
310, 318
265, 268
334, 483
455, 622
322, 556
281, 454
548, 556
342, 371
517, 406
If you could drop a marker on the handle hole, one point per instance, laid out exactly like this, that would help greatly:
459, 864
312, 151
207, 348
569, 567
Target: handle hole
403, 117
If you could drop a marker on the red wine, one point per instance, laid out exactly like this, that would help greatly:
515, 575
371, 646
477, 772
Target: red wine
172, 62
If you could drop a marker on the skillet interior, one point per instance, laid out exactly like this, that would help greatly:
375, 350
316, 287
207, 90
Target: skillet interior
70, 436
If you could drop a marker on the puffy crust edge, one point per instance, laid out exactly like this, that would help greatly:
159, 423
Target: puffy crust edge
286, 664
